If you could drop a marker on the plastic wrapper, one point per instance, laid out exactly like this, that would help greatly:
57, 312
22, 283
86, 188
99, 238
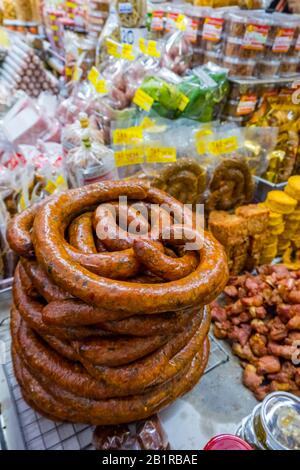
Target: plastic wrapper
89, 163
277, 110
213, 32
163, 88
82, 98
206, 88
112, 31
177, 54
73, 133
131, 13
156, 20
9, 9
98, 11
24, 10
142, 435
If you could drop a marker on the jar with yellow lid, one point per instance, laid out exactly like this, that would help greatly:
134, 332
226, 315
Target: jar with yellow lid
274, 424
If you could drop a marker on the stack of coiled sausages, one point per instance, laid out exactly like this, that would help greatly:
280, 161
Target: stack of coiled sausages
108, 331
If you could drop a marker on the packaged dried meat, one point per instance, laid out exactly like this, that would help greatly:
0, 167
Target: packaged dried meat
177, 54
240, 68
289, 67
268, 69
213, 29
131, 13
234, 47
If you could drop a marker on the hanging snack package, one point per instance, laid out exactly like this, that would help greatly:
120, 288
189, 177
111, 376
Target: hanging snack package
132, 13
177, 53
206, 89
89, 163
111, 31
98, 11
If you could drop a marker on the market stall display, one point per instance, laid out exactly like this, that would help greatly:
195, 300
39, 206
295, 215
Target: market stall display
169, 103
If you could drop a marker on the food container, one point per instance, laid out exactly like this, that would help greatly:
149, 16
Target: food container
131, 12
234, 47
289, 67
239, 68
213, 29
227, 442
268, 69
274, 424
214, 57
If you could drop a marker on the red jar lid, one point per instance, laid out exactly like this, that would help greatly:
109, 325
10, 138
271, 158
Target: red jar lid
227, 442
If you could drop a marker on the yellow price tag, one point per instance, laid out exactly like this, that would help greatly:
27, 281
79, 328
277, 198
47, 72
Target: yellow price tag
131, 135
113, 48
160, 154
100, 87
54, 27
4, 38
223, 146
150, 48
55, 38
127, 52
60, 181
68, 71
71, 5
181, 23
200, 144
147, 123
129, 157
50, 187
93, 75
53, 17
183, 103
143, 100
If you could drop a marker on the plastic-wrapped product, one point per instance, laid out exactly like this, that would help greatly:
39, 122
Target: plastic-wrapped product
142, 435
24, 10
240, 68
9, 9
73, 133
177, 54
213, 30
289, 67
98, 11
206, 88
131, 13
89, 163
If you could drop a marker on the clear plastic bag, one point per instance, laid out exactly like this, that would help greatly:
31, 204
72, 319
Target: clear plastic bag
177, 54
142, 435
89, 163
72, 134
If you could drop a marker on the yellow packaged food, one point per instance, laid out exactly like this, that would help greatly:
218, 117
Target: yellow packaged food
293, 187
279, 201
277, 229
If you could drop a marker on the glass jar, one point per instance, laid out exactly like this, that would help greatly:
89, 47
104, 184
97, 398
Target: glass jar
274, 424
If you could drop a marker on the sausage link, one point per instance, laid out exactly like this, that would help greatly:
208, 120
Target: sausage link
72, 377
64, 405
41, 282
199, 288
27, 284
31, 310
81, 233
163, 265
117, 351
18, 232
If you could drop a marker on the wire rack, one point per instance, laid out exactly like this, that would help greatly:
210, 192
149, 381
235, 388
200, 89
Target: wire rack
39, 433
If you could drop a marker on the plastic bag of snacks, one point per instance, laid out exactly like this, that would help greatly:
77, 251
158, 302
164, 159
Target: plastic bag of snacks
230, 182
111, 31
142, 435
259, 143
89, 163
165, 97
9, 10
72, 134
24, 10
132, 13
127, 139
206, 88
98, 11
177, 53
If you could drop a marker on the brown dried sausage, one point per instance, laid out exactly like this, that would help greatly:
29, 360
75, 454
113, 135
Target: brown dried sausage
117, 351
163, 265
64, 405
81, 233
43, 283
19, 230
200, 287
72, 377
